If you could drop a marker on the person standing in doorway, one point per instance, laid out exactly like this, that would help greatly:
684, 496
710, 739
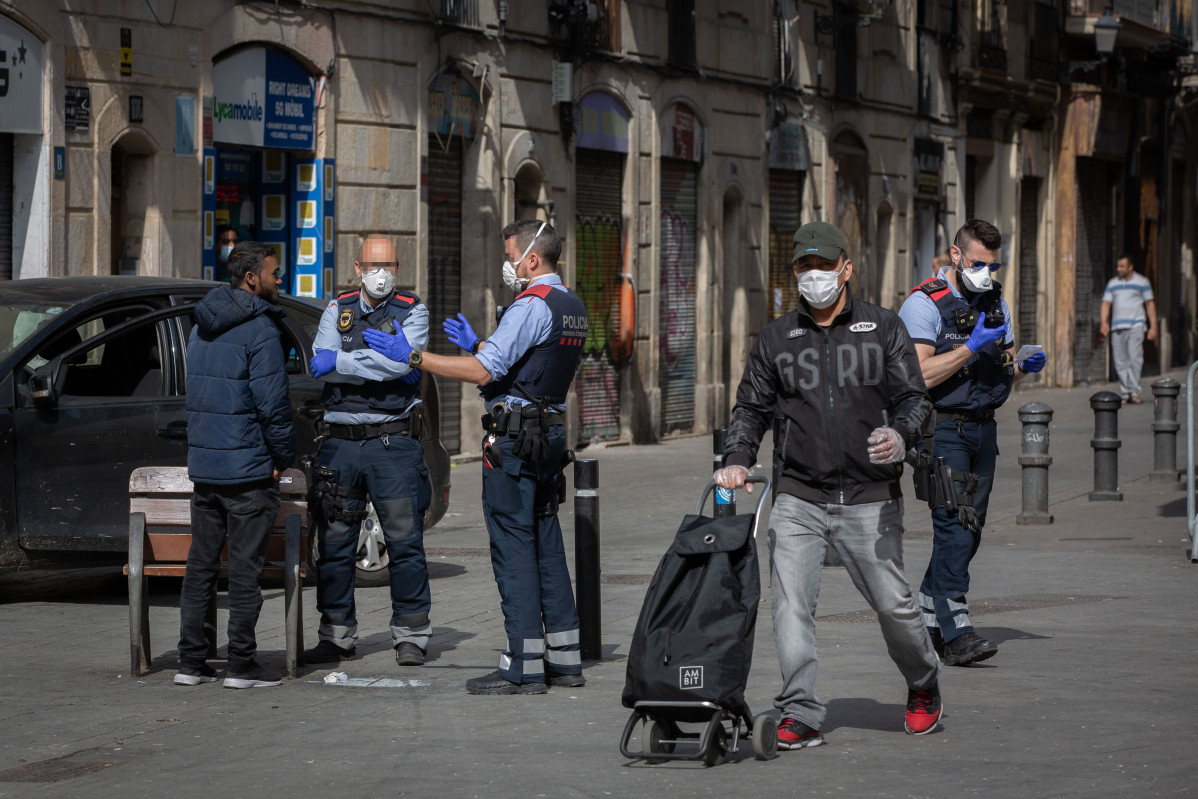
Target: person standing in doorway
1128, 316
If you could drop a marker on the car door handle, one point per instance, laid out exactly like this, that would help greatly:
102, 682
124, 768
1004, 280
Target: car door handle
175, 431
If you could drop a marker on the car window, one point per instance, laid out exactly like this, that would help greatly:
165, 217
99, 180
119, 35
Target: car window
64, 340
293, 353
20, 320
306, 316
129, 365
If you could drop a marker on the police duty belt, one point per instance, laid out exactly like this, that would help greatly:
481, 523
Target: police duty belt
936, 483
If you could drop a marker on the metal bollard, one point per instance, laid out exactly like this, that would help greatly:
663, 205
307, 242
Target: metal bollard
1164, 431
1106, 445
725, 500
586, 558
1035, 460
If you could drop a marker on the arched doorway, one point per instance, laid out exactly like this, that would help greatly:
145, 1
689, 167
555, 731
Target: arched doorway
852, 200
133, 207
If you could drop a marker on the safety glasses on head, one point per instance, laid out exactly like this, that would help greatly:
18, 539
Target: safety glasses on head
528, 249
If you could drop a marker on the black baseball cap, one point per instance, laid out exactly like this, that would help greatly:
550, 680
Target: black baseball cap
819, 238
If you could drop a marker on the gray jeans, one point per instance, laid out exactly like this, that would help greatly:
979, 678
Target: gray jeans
869, 539
1127, 349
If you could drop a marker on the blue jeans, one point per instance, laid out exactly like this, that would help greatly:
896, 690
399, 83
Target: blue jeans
529, 559
869, 539
392, 470
244, 514
969, 447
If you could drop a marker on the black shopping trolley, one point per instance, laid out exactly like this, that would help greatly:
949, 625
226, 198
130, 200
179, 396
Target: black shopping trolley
693, 644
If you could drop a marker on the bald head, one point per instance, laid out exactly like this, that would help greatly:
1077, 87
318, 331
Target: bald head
376, 251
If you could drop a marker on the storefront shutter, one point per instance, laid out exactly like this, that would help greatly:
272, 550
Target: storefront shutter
1029, 267
598, 228
445, 272
6, 193
1093, 256
786, 193
676, 303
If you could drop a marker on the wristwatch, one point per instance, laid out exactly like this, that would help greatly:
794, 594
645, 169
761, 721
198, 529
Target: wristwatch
415, 358
476, 346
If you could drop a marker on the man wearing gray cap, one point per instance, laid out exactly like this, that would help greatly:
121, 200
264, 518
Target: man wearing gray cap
843, 375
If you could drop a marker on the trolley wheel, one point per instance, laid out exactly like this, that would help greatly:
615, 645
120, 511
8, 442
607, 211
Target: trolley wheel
765, 737
655, 731
717, 747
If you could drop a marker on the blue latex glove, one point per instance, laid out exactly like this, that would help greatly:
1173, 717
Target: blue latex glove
1034, 364
323, 362
394, 347
411, 378
983, 336
460, 333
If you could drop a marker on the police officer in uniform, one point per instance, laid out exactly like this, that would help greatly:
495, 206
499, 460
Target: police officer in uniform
370, 448
524, 371
961, 328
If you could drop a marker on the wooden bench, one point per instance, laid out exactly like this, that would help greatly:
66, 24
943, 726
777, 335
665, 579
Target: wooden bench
160, 537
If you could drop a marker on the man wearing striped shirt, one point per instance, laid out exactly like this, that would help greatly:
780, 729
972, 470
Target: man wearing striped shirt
1128, 308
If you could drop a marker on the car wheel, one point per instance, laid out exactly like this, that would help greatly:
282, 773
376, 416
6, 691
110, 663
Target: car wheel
372, 552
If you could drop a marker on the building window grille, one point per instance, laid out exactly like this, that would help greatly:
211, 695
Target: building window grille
783, 47
463, 12
682, 33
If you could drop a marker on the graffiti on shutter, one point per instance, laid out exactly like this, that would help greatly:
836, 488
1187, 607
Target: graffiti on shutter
445, 273
598, 230
786, 192
676, 303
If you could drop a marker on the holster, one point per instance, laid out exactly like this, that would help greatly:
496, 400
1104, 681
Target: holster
325, 494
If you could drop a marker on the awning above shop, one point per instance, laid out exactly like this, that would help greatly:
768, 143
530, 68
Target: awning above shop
263, 98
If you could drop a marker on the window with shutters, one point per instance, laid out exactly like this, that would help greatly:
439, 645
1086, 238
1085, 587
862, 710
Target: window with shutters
463, 12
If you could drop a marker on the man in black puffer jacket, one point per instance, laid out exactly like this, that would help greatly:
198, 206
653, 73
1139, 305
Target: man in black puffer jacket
240, 438
843, 377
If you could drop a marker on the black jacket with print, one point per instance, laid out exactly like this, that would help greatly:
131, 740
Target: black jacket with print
830, 387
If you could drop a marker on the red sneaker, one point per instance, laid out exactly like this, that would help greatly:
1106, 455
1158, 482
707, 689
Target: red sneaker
794, 734
923, 710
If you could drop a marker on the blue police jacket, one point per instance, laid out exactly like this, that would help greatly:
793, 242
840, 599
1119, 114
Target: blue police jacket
544, 372
388, 396
983, 383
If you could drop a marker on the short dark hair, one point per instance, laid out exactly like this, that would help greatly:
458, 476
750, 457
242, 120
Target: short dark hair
548, 246
1127, 255
982, 232
247, 257
223, 229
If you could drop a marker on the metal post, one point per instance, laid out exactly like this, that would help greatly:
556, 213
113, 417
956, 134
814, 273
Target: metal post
1035, 460
586, 558
1164, 431
725, 500
1106, 445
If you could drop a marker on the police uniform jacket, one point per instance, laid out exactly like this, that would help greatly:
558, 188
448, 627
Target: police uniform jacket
830, 387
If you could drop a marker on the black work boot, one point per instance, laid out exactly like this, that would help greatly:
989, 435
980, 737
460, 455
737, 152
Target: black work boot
328, 652
496, 684
408, 654
968, 648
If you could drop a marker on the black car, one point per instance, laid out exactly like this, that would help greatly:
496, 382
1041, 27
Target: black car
92, 386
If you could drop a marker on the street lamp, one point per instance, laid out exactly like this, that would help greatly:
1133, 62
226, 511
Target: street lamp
1106, 30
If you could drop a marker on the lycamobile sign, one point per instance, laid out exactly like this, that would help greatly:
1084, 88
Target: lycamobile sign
263, 99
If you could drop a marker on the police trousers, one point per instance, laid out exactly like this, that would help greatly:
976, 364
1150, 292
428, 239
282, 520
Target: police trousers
392, 471
968, 447
529, 560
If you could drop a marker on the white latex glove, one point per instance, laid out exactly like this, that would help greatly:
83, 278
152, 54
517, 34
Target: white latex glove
885, 445
732, 478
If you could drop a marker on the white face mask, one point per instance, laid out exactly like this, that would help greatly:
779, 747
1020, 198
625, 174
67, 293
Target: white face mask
226, 251
820, 288
976, 280
379, 283
517, 284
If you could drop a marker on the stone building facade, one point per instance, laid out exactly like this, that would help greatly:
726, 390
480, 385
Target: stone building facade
674, 145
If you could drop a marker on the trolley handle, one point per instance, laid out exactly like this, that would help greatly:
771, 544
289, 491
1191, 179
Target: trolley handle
760, 479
